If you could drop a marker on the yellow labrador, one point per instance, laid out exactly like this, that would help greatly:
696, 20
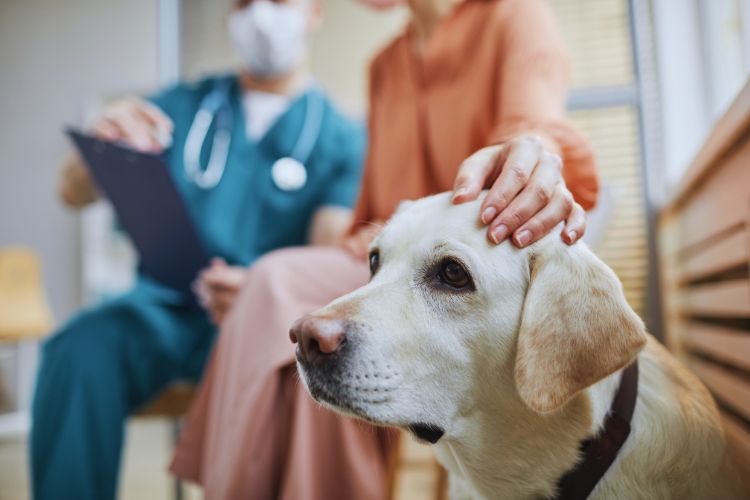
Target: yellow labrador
508, 360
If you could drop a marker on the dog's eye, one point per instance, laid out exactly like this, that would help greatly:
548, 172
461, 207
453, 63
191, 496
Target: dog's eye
374, 261
454, 275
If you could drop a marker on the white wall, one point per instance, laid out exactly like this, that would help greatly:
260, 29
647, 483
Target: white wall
703, 54
682, 86
55, 56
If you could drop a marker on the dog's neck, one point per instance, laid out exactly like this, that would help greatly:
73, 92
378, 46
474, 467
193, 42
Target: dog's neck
505, 450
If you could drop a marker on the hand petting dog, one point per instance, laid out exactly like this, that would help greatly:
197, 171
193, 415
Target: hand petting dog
527, 194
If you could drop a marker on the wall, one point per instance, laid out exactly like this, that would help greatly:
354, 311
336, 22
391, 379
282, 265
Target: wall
55, 57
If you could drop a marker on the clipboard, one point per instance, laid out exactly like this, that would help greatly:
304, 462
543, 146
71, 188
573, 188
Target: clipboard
149, 208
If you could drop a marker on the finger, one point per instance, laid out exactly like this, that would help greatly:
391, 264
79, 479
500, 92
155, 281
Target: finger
217, 262
222, 301
575, 227
160, 125
154, 115
217, 317
204, 302
545, 220
221, 307
203, 296
107, 130
515, 173
474, 171
226, 278
231, 277
217, 280
136, 131
533, 198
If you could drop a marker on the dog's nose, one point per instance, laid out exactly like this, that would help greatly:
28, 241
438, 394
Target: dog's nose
318, 336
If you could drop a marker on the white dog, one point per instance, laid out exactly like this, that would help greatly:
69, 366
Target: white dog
508, 360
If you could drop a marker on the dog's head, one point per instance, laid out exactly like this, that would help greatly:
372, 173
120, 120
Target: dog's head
450, 323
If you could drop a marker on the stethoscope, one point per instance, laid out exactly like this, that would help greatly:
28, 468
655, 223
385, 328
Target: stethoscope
288, 172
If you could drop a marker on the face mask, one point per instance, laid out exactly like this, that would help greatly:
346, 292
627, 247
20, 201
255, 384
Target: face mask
270, 38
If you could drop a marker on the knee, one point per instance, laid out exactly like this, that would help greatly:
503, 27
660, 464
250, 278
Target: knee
289, 263
273, 265
87, 338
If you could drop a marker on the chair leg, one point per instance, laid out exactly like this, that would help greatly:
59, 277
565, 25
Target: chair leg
441, 483
179, 491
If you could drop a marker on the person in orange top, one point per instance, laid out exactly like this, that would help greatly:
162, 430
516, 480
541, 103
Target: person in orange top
470, 96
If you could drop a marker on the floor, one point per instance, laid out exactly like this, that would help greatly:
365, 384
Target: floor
147, 453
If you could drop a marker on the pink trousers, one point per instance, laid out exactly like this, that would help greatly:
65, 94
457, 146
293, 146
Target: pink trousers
253, 431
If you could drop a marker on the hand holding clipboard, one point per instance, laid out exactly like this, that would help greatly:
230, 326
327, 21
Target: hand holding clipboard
149, 207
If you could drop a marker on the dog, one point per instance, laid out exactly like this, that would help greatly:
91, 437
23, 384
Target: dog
508, 360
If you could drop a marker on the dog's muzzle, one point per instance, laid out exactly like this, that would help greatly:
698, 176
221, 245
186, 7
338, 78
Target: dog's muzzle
336, 372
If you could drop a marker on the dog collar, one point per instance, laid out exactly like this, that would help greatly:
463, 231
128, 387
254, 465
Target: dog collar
600, 451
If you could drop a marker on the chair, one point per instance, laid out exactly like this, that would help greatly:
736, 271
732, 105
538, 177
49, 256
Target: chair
172, 403
412, 468
24, 309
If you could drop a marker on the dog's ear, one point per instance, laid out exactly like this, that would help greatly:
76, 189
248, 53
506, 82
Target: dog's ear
576, 327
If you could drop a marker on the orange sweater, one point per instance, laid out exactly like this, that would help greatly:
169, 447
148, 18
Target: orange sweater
493, 69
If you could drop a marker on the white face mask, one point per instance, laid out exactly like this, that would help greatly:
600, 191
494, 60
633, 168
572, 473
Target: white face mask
271, 38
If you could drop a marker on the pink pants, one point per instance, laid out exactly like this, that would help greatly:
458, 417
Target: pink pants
253, 432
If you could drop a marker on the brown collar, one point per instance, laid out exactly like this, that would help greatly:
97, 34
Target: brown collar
600, 451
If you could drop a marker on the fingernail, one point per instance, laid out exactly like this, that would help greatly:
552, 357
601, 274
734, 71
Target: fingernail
459, 192
499, 234
142, 144
488, 214
523, 238
573, 236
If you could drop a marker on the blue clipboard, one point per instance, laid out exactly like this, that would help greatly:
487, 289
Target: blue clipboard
149, 207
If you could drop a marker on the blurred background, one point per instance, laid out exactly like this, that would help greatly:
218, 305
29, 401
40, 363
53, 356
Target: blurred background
651, 79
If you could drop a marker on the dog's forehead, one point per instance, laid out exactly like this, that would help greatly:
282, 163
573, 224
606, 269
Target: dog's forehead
431, 220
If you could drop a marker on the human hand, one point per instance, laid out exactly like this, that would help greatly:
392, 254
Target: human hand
527, 194
137, 123
358, 243
217, 288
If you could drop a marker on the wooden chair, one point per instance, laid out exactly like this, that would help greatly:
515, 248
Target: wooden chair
173, 403
24, 309
413, 470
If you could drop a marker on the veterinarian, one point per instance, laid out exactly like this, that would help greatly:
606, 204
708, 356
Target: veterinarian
472, 94
264, 161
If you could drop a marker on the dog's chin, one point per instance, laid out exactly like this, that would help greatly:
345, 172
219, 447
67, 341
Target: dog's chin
374, 410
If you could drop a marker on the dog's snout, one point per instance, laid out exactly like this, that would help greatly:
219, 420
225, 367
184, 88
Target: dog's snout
318, 337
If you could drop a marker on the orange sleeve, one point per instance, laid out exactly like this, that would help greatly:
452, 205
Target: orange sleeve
533, 84
363, 211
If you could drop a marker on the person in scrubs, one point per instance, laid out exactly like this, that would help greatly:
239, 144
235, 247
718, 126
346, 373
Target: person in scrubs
289, 177
470, 95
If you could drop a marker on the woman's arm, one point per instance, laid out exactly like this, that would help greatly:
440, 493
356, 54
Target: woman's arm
329, 225
541, 170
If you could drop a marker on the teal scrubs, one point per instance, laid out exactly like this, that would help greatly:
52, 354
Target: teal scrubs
113, 358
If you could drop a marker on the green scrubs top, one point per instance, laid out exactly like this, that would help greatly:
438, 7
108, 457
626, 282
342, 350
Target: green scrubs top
246, 214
